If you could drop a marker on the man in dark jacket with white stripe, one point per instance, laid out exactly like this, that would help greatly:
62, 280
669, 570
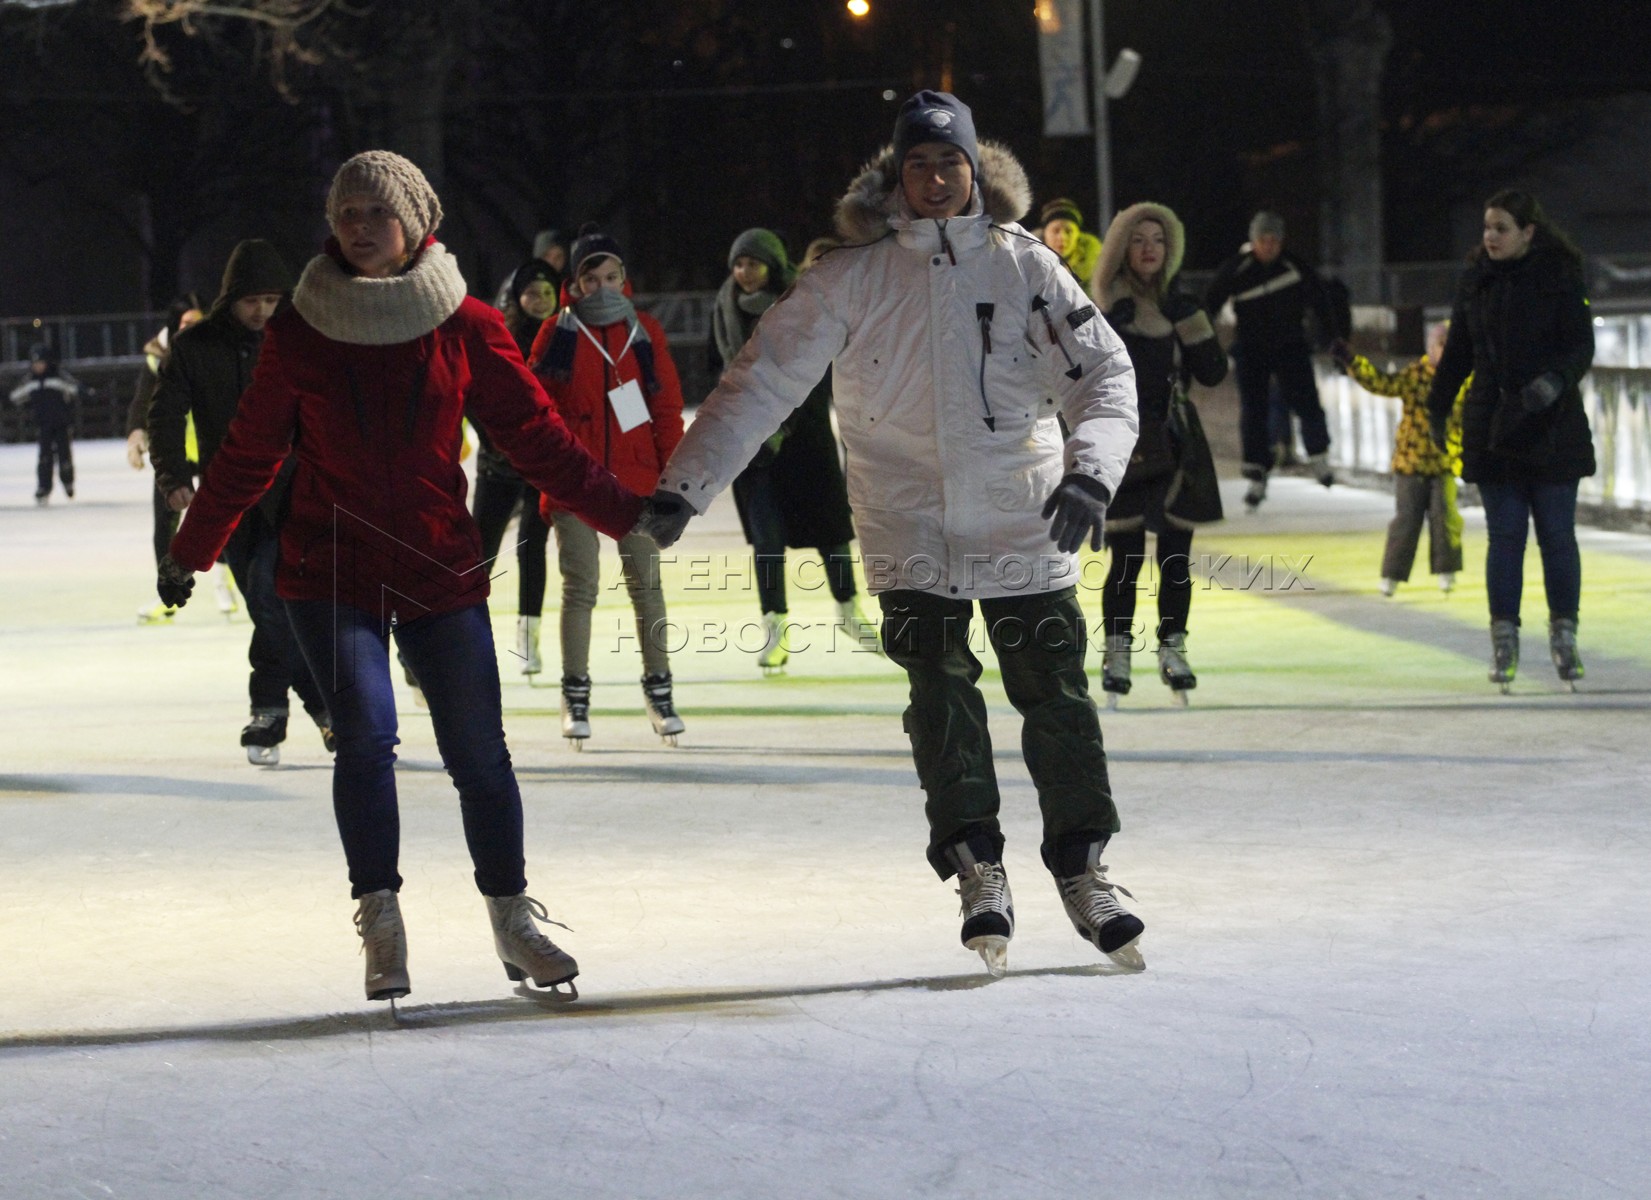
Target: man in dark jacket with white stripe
1271, 292
210, 365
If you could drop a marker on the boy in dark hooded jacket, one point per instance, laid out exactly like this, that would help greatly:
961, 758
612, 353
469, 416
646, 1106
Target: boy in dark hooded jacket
209, 367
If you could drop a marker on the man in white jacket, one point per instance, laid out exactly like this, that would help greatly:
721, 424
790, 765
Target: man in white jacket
956, 340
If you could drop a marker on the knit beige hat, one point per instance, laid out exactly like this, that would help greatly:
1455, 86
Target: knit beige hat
394, 180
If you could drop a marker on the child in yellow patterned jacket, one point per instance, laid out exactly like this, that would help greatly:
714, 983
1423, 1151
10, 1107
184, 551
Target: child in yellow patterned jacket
1424, 476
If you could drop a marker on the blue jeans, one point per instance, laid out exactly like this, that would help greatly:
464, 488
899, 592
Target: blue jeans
452, 654
1510, 508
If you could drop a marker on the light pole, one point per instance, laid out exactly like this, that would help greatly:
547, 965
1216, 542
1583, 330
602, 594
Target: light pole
1108, 85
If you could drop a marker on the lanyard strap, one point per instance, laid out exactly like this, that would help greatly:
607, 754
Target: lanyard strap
600, 349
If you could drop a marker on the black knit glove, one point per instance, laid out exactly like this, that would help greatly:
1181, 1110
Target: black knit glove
1121, 313
1541, 392
664, 517
1078, 506
174, 583
1178, 306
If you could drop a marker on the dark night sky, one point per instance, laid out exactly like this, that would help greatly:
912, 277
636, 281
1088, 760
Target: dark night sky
680, 123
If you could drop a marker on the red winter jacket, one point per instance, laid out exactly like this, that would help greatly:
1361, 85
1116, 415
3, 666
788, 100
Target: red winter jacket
378, 518
639, 456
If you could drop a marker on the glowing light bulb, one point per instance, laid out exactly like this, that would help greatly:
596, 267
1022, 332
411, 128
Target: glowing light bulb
859, 8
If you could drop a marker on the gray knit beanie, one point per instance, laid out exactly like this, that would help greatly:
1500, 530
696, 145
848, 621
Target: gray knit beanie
397, 182
766, 247
1266, 224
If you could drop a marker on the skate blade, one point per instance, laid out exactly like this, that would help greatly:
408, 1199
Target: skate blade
993, 949
1178, 697
264, 756
1128, 956
578, 743
1112, 702
549, 989
668, 739
770, 672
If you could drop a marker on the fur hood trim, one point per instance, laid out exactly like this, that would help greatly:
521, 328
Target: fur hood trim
1115, 246
380, 312
864, 211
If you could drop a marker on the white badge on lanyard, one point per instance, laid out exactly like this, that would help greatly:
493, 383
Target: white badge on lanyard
629, 408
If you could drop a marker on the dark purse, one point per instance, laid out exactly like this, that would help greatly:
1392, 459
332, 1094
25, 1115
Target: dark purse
1194, 492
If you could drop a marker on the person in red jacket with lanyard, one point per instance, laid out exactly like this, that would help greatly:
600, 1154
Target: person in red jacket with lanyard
609, 373
364, 380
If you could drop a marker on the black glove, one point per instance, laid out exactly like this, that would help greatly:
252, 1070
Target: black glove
1541, 392
1078, 506
1121, 313
1342, 354
664, 517
1178, 306
175, 582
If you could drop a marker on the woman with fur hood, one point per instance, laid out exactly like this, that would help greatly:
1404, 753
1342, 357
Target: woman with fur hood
1166, 490
364, 379
955, 340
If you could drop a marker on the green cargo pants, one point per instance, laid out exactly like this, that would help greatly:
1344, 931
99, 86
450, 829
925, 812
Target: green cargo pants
1040, 644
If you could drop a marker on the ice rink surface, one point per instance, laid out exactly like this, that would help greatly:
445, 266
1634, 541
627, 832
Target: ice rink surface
1396, 923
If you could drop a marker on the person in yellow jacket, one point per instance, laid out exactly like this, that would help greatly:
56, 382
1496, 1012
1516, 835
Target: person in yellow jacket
1062, 231
1424, 475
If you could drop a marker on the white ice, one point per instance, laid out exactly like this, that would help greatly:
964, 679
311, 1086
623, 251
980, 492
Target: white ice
1397, 935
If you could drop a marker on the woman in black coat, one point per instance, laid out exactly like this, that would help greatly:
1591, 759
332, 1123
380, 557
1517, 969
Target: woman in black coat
1521, 325
1170, 484
792, 493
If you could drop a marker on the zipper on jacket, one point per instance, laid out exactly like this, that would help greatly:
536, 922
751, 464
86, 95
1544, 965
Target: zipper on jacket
1041, 307
983, 314
945, 242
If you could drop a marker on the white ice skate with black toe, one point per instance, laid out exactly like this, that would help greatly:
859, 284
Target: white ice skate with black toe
988, 908
527, 953
1093, 908
656, 694
263, 736
1255, 494
1115, 663
1174, 669
384, 942
576, 709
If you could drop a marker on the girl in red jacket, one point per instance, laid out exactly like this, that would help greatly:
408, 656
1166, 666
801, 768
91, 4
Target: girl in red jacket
611, 378
364, 380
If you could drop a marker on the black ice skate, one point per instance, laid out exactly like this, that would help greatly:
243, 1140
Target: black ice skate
576, 709
263, 736
1255, 494
1562, 649
656, 694
1174, 669
1094, 910
527, 953
384, 942
1504, 653
988, 908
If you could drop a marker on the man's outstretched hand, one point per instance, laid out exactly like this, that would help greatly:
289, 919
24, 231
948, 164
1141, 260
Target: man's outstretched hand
664, 517
1077, 507
175, 582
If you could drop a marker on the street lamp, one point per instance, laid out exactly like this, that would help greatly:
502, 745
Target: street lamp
1109, 85
859, 8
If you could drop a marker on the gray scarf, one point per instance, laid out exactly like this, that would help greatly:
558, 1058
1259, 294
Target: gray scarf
604, 306
734, 308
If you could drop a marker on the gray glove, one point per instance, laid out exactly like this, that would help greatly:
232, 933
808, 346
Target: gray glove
1541, 392
664, 517
1078, 506
175, 582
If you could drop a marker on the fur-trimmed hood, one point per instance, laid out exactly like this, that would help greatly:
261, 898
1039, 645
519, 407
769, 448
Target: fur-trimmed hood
873, 198
1115, 246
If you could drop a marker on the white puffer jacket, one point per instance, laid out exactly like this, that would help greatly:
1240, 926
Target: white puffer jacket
932, 328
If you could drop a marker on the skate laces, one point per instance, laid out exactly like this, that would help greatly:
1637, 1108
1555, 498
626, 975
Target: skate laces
983, 888
377, 934
1091, 894
528, 911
